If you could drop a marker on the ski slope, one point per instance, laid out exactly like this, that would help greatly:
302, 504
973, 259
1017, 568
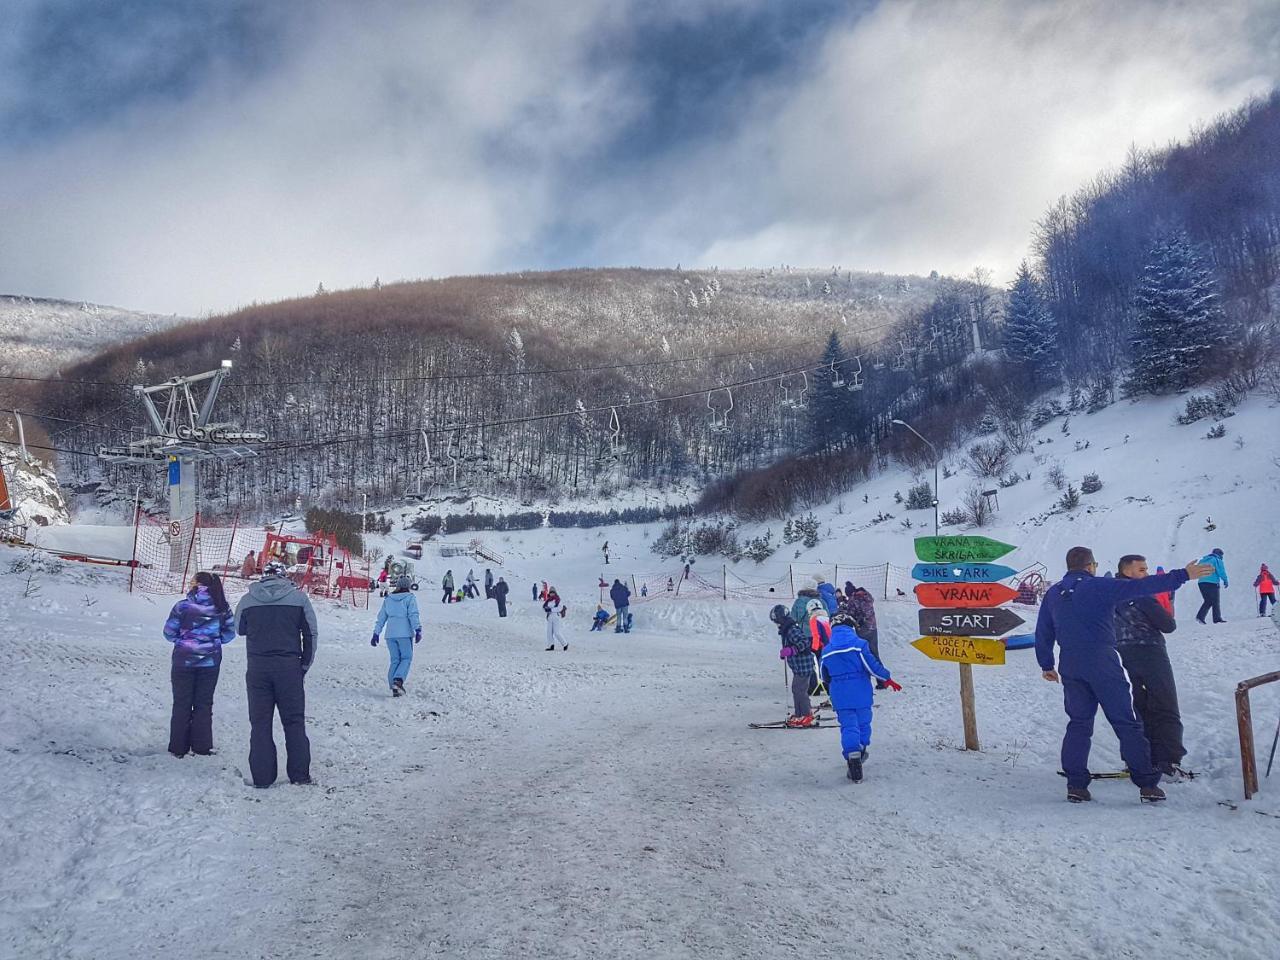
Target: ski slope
609, 801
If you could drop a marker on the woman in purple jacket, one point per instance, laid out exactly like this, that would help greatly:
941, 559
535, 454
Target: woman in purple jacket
198, 626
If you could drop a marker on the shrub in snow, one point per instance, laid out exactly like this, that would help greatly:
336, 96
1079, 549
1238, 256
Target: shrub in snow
1090, 483
920, 497
1046, 412
954, 518
1009, 480
789, 532
669, 543
1101, 394
990, 458
1070, 499
976, 506
760, 549
1056, 476
1219, 430
806, 529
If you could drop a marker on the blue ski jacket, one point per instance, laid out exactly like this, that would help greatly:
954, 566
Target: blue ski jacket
1079, 615
399, 614
1219, 574
848, 666
827, 592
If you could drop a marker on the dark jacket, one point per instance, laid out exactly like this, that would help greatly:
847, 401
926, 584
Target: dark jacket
277, 622
500, 589
1078, 614
620, 594
1142, 622
795, 648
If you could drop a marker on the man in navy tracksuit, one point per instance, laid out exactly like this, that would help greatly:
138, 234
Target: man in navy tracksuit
1078, 614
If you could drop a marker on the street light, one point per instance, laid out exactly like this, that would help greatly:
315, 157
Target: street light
903, 423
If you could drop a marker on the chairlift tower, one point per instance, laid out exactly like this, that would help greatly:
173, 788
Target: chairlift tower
180, 436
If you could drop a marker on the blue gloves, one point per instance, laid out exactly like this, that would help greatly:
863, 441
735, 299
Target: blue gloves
417, 635
374, 641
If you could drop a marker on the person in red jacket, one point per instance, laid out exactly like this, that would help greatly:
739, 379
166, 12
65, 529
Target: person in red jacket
1265, 581
1164, 599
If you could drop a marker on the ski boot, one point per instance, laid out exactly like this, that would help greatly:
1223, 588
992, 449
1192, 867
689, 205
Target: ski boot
1078, 795
854, 761
552, 647
1151, 794
565, 647
797, 722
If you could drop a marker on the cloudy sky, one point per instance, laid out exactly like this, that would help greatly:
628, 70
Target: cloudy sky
194, 156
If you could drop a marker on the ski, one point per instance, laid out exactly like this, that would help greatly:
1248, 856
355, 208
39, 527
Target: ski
818, 722
1178, 775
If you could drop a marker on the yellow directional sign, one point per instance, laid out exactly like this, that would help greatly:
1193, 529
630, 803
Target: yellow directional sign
979, 650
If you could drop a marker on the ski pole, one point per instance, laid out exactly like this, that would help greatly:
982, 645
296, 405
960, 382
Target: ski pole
1273, 748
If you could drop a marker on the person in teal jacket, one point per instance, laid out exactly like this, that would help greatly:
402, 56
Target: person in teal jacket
399, 614
1211, 585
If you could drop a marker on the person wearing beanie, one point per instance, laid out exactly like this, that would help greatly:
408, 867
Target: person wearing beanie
1211, 585
1265, 582
399, 615
847, 668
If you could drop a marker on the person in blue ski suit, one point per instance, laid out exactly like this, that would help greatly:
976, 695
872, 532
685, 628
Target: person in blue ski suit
1078, 614
198, 626
1212, 584
847, 668
399, 614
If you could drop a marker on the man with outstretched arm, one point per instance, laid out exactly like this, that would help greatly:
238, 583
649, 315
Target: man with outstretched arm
1078, 614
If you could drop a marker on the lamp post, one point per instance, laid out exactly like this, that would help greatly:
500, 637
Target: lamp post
903, 423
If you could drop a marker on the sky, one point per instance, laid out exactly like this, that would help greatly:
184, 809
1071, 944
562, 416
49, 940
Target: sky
192, 157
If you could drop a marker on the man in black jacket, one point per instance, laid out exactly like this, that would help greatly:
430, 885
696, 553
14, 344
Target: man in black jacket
279, 627
500, 594
1140, 628
620, 594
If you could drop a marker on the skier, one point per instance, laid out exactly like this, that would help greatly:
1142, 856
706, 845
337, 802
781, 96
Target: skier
644, 590
280, 631
847, 668
469, 589
488, 583
620, 595
447, 585
556, 612
399, 614
600, 618
1078, 614
383, 576
500, 590
198, 626
1265, 581
1211, 585
1141, 624
862, 607
795, 651
606, 553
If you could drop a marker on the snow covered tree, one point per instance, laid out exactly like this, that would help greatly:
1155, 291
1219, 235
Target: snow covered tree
830, 405
515, 350
1030, 333
1180, 318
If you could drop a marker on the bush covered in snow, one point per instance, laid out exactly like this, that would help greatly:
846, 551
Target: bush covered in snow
1070, 498
920, 497
1090, 483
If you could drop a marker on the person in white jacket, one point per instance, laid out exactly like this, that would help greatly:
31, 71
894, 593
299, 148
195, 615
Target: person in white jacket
556, 611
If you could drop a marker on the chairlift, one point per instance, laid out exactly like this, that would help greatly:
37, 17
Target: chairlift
720, 418
855, 378
801, 400
836, 379
901, 361
614, 438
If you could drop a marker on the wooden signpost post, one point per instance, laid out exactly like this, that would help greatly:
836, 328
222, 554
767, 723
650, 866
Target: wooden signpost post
961, 597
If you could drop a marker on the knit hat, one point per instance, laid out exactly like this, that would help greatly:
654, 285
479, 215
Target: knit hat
778, 613
273, 568
404, 582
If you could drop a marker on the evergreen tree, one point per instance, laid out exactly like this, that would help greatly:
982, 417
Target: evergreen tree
1179, 317
1030, 333
830, 405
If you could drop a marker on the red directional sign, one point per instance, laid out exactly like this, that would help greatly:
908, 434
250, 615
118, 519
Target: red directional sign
968, 595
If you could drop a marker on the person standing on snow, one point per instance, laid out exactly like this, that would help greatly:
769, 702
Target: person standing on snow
280, 631
1078, 614
556, 611
795, 651
249, 567
1141, 624
847, 668
606, 553
488, 583
469, 589
198, 627
447, 584
860, 605
1265, 581
399, 614
620, 595
1210, 584
500, 591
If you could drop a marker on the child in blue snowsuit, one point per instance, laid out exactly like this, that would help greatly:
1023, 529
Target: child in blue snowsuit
847, 667
399, 614
600, 619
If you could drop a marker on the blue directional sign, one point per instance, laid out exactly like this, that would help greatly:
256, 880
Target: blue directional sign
961, 572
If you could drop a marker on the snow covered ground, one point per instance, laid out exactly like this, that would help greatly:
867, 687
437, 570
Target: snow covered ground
610, 801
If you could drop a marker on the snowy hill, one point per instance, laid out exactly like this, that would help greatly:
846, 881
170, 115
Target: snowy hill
610, 800
39, 336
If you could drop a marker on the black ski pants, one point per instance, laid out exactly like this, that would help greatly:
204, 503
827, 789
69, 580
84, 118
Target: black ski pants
1155, 699
1212, 601
272, 687
191, 726
502, 605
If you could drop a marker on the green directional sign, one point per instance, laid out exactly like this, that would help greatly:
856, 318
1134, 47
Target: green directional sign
960, 549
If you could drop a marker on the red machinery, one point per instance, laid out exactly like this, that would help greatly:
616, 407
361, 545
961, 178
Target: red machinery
316, 563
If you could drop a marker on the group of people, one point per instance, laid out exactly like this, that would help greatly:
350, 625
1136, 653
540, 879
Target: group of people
280, 630
620, 597
830, 641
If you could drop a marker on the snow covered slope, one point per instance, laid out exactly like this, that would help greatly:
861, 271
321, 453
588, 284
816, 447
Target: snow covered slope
40, 336
610, 801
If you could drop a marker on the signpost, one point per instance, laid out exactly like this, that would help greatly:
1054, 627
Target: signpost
962, 597
960, 549
963, 594
961, 572
964, 650
989, 622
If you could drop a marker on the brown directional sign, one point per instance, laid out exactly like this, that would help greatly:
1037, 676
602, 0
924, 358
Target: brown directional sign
969, 595
981, 622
